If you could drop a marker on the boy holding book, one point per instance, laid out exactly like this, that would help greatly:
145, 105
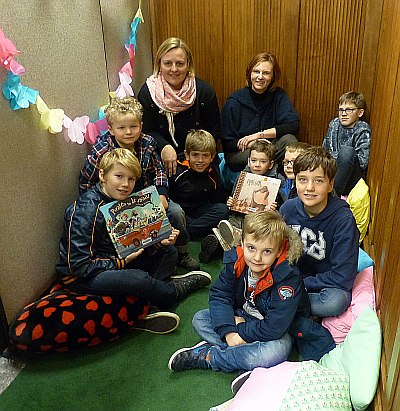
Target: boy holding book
124, 118
88, 261
328, 230
197, 187
255, 305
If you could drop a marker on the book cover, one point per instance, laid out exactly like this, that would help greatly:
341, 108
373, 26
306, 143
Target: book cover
136, 222
254, 192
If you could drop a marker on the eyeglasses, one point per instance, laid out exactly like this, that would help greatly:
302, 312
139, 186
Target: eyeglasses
347, 110
287, 162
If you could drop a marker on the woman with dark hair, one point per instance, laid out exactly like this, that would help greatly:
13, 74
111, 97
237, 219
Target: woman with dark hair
259, 110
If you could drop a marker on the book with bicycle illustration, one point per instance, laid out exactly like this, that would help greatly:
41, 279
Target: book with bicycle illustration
136, 222
254, 192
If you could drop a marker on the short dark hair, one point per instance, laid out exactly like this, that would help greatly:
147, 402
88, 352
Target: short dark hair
313, 158
262, 146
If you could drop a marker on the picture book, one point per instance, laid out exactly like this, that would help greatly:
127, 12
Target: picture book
136, 222
254, 192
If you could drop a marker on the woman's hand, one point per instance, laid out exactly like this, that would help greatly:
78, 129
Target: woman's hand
247, 141
168, 158
134, 255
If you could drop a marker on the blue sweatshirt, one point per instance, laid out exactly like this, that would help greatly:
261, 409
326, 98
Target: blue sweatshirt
330, 244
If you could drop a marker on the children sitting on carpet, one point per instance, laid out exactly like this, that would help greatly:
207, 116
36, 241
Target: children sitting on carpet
257, 302
88, 261
197, 187
124, 118
291, 152
348, 138
328, 230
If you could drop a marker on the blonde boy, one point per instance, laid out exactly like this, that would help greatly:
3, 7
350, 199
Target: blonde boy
124, 118
257, 301
197, 187
88, 260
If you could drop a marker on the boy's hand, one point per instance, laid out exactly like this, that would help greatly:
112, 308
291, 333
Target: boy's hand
164, 201
239, 320
172, 238
234, 339
229, 202
273, 206
134, 255
168, 158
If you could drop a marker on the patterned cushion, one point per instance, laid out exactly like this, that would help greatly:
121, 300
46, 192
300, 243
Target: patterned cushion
63, 321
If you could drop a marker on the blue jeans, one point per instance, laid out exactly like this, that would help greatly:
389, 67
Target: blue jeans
146, 278
241, 357
203, 219
329, 302
349, 170
176, 217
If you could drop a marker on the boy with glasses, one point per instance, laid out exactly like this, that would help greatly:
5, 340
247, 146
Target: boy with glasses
291, 152
348, 138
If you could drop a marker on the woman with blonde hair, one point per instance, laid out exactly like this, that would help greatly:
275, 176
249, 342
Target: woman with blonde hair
175, 101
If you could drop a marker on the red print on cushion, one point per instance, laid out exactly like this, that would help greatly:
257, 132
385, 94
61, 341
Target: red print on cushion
48, 311
67, 317
92, 306
90, 327
107, 321
123, 314
19, 329
37, 332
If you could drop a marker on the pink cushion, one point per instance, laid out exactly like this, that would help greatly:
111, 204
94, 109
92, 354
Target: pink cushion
272, 382
363, 294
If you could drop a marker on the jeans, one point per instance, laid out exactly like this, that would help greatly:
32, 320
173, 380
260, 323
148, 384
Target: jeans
144, 278
241, 357
203, 219
329, 302
349, 171
176, 217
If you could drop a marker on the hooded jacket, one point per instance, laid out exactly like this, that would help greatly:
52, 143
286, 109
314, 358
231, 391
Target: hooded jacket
330, 243
280, 295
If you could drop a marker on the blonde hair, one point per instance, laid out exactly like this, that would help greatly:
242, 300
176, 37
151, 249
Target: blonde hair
263, 224
168, 45
297, 146
121, 156
354, 97
125, 105
200, 140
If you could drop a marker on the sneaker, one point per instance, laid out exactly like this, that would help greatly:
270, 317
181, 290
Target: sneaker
158, 323
189, 282
239, 381
230, 233
188, 262
209, 246
188, 358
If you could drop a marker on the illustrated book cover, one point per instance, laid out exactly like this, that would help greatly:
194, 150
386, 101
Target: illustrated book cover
136, 222
254, 192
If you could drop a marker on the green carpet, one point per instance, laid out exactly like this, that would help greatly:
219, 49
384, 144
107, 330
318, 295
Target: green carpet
128, 374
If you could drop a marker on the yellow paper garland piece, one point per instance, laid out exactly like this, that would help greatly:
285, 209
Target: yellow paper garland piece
50, 119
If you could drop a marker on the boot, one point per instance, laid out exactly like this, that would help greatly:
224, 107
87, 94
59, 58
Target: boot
192, 281
185, 260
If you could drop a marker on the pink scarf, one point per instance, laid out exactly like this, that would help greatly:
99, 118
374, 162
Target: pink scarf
169, 101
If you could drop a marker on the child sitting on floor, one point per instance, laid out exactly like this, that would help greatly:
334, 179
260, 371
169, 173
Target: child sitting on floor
257, 302
197, 188
348, 138
124, 118
328, 230
88, 261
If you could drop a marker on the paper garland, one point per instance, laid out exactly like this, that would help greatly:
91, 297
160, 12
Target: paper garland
54, 120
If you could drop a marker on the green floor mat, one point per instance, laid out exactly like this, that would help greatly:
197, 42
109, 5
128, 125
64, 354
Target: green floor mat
128, 374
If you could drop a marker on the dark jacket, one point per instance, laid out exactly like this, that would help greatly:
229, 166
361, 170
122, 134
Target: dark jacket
204, 114
192, 190
246, 113
330, 243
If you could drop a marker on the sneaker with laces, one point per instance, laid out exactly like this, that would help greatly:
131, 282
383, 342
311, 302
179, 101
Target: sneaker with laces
193, 357
185, 284
158, 323
186, 261
208, 248
239, 381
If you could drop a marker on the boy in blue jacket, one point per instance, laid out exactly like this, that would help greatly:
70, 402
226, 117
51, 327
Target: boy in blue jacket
328, 230
256, 304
